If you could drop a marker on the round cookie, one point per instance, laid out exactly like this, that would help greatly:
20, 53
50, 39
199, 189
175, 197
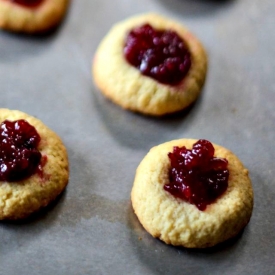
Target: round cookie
126, 86
19, 199
44, 17
180, 223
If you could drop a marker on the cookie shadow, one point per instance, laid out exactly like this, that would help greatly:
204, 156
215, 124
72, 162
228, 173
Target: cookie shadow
20, 233
54, 211
196, 7
82, 200
155, 254
45, 214
139, 131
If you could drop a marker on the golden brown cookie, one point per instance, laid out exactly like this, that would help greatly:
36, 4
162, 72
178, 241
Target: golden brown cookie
14, 16
176, 221
20, 198
126, 86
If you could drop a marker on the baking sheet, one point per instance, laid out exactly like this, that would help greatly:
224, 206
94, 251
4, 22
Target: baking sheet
91, 228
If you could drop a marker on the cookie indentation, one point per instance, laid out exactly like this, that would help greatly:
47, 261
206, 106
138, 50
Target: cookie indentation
19, 156
162, 55
28, 3
196, 175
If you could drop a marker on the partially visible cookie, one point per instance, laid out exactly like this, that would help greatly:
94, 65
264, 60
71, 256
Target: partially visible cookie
29, 189
178, 222
31, 16
130, 86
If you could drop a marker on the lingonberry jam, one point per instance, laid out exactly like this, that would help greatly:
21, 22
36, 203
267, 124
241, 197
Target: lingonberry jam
19, 156
28, 3
162, 55
196, 175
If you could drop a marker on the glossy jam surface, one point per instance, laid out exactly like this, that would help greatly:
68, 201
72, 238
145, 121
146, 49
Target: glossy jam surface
196, 175
162, 55
28, 3
19, 157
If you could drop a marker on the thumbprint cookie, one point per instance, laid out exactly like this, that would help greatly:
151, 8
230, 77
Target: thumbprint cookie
150, 64
31, 16
192, 193
33, 165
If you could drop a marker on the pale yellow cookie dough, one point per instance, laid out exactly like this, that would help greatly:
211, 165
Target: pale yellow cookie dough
20, 199
127, 87
17, 18
179, 223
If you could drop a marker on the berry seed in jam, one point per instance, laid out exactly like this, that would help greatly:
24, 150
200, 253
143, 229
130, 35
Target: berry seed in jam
19, 157
28, 3
196, 175
162, 55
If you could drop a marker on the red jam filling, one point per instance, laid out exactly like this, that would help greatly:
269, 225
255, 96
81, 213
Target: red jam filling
19, 156
196, 175
161, 55
28, 3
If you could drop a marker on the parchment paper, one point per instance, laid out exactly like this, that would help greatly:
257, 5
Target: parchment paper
91, 228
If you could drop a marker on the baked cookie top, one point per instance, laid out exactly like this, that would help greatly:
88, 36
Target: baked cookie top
126, 86
176, 221
31, 16
18, 199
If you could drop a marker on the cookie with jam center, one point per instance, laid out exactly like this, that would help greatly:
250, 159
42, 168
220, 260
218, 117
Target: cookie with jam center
34, 165
144, 79
31, 16
179, 222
